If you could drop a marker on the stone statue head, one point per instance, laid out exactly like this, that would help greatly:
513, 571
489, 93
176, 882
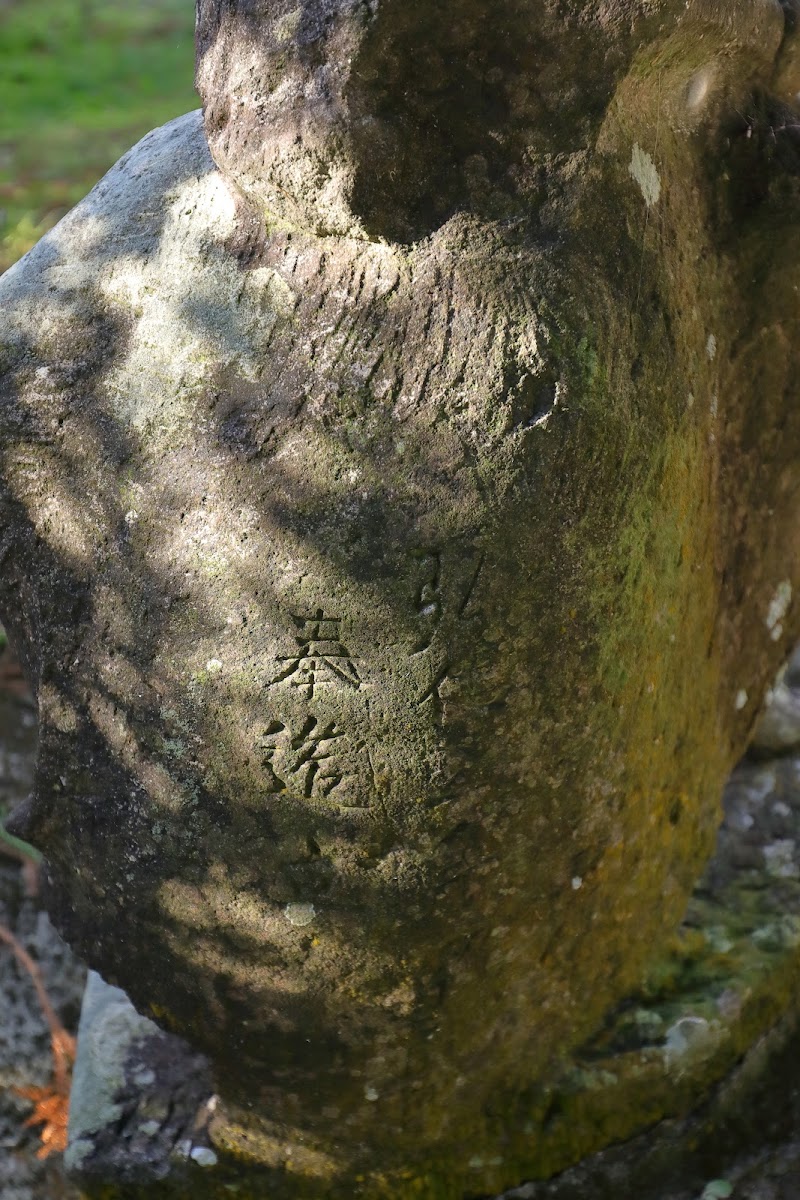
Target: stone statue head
381, 118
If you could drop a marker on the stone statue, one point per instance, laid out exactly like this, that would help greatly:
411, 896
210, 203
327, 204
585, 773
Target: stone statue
399, 502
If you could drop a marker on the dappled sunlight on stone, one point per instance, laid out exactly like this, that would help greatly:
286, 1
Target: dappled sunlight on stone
381, 739
61, 519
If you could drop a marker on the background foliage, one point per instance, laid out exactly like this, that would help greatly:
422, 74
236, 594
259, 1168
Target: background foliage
80, 82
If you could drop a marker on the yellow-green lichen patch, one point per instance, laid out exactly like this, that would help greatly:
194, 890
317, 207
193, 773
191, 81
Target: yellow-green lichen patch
720, 983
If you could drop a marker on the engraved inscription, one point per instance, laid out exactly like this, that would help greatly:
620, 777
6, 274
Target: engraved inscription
471, 586
305, 761
270, 745
435, 579
428, 597
315, 762
320, 657
431, 694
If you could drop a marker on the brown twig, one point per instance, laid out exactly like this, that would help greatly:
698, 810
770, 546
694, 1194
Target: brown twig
62, 1043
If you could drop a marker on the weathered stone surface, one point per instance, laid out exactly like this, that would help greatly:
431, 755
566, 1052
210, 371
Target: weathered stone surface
741, 1144
381, 118
141, 1101
351, 118
390, 606
730, 971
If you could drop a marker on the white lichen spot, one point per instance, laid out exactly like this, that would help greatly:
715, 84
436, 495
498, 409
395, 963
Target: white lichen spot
778, 607
577, 883
711, 347
717, 1189
741, 699
204, 1156
742, 820
685, 1037
299, 914
697, 89
644, 172
213, 666
371, 1094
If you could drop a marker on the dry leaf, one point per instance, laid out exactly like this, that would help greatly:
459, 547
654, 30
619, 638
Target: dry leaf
51, 1110
51, 1103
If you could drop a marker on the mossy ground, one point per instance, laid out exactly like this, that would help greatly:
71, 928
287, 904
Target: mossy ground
80, 82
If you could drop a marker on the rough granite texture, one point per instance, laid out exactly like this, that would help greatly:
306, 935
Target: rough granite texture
730, 970
140, 1100
396, 608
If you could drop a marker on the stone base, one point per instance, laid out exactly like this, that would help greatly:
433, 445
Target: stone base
141, 1099
141, 1106
689, 1081
746, 1137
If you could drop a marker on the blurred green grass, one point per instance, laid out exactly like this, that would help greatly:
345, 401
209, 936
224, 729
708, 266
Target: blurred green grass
80, 82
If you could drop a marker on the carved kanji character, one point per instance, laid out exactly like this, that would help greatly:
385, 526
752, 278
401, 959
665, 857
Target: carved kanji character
320, 658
